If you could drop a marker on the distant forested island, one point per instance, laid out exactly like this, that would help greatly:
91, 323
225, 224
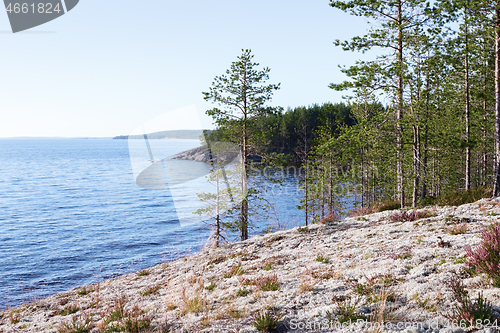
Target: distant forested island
173, 134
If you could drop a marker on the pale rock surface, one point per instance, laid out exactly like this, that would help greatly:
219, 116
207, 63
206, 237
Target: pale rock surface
402, 258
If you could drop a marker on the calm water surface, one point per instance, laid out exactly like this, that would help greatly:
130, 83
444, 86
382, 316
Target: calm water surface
71, 214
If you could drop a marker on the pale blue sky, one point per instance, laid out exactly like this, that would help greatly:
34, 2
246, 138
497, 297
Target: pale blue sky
108, 66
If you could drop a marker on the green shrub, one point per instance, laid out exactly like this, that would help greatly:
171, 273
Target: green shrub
266, 321
389, 205
85, 291
486, 257
242, 292
321, 258
468, 312
211, 286
143, 272
303, 229
346, 310
457, 198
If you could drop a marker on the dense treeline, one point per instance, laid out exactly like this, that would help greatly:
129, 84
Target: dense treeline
287, 132
436, 75
423, 118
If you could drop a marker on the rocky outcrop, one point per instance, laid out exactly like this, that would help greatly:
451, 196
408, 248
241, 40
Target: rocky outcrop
200, 154
391, 271
203, 154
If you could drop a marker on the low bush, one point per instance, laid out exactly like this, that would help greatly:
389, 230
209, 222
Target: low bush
302, 229
69, 309
360, 211
135, 320
389, 205
322, 259
265, 283
457, 198
85, 291
405, 216
486, 257
402, 255
330, 218
143, 272
468, 312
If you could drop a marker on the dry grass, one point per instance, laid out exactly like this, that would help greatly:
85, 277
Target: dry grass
235, 270
307, 284
196, 304
150, 290
386, 311
457, 229
77, 324
235, 314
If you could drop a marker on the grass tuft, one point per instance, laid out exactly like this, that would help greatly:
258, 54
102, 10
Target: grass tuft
235, 270
143, 272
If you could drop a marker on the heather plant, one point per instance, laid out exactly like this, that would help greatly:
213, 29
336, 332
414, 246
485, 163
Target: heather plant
468, 312
404, 216
330, 218
193, 305
486, 257
269, 283
265, 283
360, 211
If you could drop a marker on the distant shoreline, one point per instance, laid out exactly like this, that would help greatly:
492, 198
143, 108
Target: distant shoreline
165, 135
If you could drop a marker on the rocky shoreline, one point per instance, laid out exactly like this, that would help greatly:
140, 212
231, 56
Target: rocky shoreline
302, 276
199, 154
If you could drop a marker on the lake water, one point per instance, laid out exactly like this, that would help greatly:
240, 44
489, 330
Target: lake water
71, 214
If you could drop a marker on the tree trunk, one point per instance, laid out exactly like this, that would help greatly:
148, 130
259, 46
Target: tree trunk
484, 172
496, 188
330, 186
399, 116
467, 106
426, 130
244, 201
306, 175
217, 213
416, 163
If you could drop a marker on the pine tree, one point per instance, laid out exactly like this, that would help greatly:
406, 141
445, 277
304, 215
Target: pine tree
242, 95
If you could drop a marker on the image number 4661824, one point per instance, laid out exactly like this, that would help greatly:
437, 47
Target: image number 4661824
26, 14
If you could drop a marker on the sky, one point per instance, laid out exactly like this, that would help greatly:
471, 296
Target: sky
107, 67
